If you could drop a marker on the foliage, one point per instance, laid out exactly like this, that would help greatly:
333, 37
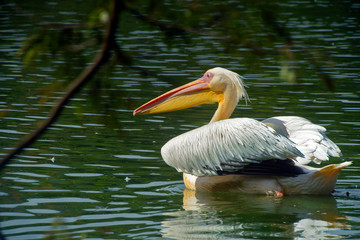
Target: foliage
247, 28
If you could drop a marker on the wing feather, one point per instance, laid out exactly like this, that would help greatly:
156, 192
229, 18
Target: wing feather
226, 145
309, 138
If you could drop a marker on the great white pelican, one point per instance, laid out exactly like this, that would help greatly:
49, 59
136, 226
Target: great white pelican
243, 154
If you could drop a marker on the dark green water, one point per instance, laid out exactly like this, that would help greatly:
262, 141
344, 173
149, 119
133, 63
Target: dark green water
98, 174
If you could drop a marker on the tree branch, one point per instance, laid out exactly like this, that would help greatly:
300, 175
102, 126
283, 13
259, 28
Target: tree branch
76, 85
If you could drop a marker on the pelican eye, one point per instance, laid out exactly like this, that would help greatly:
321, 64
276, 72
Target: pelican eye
208, 76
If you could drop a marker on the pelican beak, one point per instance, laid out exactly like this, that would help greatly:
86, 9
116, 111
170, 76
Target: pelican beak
189, 95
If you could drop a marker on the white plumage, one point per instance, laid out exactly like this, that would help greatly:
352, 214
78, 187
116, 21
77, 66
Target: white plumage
226, 146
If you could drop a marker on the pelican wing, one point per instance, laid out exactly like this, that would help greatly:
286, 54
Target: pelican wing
309, 138
228, 146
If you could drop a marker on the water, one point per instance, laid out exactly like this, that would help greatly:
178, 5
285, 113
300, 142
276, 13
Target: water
98, 174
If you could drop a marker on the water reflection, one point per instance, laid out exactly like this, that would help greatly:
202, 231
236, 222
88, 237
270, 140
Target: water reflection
223, 215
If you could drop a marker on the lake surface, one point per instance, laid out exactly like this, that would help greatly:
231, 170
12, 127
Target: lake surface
97, 173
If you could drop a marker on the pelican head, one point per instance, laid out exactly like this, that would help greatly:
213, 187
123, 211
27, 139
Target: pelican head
216, 85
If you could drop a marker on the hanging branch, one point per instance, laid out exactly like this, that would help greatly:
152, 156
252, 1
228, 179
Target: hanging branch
101, 58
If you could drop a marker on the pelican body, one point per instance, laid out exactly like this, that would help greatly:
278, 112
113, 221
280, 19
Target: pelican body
243, 154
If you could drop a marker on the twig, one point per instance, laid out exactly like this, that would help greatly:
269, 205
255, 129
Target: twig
76, 85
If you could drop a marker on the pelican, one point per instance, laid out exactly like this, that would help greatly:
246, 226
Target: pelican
243, 154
